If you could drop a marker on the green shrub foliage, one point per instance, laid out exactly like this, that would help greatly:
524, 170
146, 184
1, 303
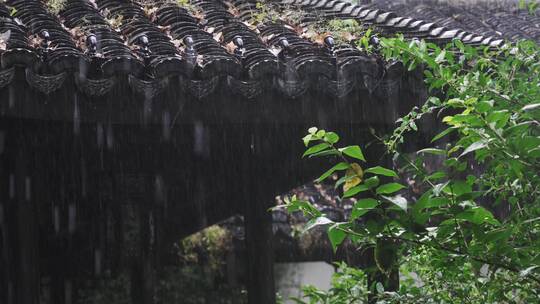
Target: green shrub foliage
452, 248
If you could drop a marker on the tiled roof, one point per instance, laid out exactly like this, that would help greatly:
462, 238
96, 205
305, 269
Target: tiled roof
385, 21
96, 40
495, 18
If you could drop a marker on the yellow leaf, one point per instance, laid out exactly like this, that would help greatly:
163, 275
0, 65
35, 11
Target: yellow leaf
356, 170
355, 174
351, 183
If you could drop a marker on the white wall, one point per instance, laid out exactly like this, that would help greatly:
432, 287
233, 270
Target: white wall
291, 276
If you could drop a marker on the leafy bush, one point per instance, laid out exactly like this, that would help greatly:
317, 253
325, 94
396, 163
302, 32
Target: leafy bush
489, 100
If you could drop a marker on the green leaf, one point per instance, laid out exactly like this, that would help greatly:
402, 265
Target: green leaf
353, 151
381, 171
336, 235
420, 203
500, 118
526, 143
478, 216
389, 188
459, 44
436, 175
324, 153
340, 166
458, 188
306, 207
519, 128
469, 196
497, 235
355, 190
379, 287
474, 146
318, 221
307, 139
440, 58
397, 200
413, 125
372, 182
443, 134
362, 207
464, 119
433, 202
421, 217
317, 148
331, 137
432, 151
484, 106
439, 187
343, 180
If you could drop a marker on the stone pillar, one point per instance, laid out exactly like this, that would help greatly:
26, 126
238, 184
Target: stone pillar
258, 221
260, 251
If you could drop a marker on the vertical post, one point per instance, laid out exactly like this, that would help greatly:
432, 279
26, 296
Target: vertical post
258, 225
143, 288
260, 279
5, 248
27, 283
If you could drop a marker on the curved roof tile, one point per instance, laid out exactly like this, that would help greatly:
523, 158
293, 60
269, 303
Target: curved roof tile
150, 40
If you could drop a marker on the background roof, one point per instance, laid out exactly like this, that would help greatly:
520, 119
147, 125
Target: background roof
499, 18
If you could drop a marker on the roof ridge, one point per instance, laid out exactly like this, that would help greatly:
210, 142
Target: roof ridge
387, 20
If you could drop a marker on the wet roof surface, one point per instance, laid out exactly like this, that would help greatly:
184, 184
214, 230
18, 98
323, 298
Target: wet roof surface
197, 40
494, 18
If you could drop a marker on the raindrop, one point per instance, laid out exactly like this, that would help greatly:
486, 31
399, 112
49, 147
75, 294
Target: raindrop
110, 138
56, 216
11, 97
83, 178
45, 289
27, 188
68, 291
166, 119
2, 141
72, 210
201, 145
76, 117
10, 293
152, 228
11, 186
147, 110
1, 214
97, 261
159, 189
369, 83
126, 66
83, 70
99, 135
